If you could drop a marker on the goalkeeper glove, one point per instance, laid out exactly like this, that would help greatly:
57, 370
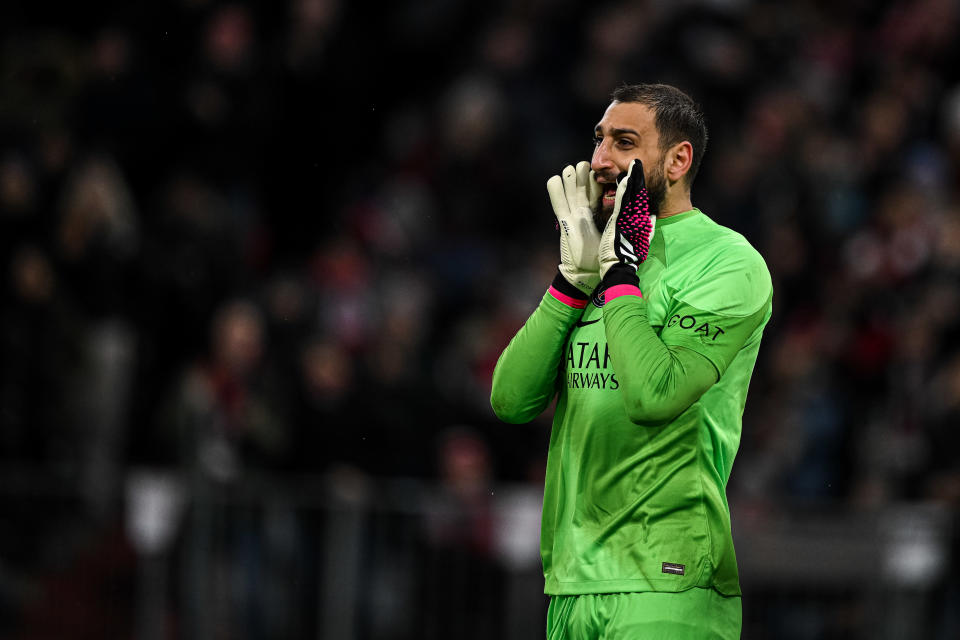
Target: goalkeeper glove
626, 238
575, 198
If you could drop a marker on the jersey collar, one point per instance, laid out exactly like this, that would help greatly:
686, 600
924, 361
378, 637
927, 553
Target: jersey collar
678, 217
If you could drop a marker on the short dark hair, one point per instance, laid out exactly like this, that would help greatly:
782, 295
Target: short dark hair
676, 116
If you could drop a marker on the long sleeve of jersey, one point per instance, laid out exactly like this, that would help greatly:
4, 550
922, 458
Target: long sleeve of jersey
662, 375
658, 381
525, 377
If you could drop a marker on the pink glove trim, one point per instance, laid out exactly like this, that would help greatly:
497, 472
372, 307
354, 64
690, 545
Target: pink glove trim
567, 300
621, 290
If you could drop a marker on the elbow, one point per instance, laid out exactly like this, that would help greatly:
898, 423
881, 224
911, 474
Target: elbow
507, 409
513, 403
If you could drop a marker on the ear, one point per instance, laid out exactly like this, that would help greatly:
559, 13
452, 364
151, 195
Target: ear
679, 159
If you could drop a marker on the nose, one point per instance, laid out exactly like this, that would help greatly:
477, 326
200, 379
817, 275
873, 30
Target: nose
601, 158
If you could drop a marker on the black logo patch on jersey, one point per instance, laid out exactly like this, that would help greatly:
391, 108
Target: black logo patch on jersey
597, 298
675, 569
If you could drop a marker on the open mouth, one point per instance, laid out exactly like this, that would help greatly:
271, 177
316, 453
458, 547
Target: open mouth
609, 195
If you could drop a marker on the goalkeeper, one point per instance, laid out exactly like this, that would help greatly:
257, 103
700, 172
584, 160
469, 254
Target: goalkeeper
648, 335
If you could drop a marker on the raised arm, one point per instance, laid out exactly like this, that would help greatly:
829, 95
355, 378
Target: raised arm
662, 376
524, 380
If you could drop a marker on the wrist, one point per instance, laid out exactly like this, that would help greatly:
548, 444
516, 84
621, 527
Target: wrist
620, 274
620, 280
584, 280
567, 293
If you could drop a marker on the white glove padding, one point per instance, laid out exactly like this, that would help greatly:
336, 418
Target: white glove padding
626, 238
575, 198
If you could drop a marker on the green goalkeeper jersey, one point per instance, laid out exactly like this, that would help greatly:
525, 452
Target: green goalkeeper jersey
635, 493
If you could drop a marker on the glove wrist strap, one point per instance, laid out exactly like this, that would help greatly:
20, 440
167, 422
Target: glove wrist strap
620, 280
567, 293
620, 274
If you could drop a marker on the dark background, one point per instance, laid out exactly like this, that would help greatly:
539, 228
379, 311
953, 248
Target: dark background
281, 244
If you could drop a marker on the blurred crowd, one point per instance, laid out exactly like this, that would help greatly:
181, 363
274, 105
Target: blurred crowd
251, 237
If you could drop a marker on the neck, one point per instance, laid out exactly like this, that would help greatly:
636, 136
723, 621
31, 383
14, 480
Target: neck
675, 203
676, 200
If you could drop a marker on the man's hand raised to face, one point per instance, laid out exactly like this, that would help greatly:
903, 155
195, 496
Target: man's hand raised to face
575, 197
626, 238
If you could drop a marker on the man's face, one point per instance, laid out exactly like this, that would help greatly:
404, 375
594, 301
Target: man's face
627, 132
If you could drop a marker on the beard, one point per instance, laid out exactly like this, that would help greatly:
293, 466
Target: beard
656, 192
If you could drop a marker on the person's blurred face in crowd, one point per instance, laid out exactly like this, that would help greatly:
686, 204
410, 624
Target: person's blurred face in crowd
627, 132
327, 370
465, 461
238, 338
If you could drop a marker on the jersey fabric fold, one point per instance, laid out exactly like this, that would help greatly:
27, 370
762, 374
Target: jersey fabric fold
650, 394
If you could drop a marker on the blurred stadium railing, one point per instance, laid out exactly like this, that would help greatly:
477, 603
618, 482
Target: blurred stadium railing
345, 556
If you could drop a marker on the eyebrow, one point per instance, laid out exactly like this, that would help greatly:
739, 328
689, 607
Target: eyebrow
616, 132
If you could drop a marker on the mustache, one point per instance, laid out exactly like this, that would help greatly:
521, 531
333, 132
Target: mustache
609, 177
